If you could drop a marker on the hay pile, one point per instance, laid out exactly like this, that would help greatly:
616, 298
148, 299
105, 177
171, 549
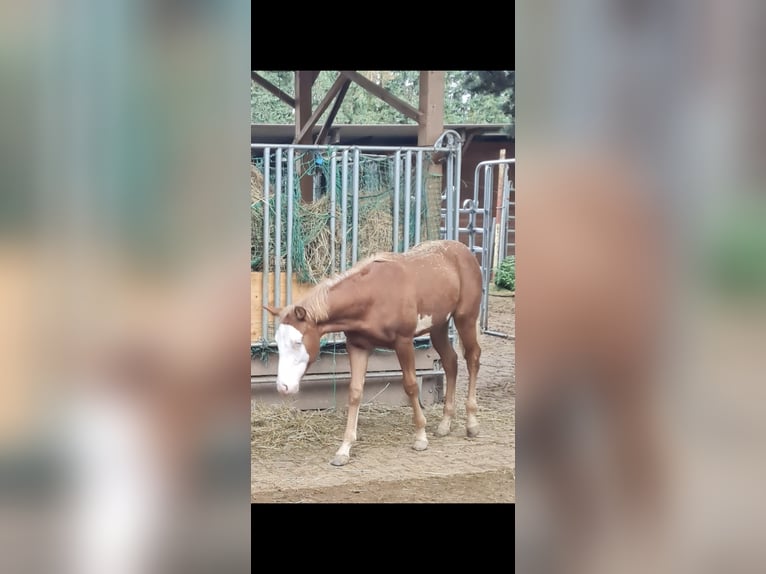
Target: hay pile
312, 233
374, 235
278, 426
256, 185
282, 427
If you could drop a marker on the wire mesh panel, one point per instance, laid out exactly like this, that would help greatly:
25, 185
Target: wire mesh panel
363, 200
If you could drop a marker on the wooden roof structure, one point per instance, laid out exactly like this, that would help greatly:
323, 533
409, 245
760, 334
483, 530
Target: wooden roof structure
429, 114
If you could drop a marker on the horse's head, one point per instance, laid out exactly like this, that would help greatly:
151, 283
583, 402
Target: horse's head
298, 343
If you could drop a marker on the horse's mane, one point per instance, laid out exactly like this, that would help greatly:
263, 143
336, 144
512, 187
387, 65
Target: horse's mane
315, 301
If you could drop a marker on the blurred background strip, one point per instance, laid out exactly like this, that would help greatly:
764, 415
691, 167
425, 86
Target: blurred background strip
124, 293
641, 288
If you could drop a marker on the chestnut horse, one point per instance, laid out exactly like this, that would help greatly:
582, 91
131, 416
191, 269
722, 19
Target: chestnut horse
384, 301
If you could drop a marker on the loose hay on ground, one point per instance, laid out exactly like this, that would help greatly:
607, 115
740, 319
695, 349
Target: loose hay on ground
282, 426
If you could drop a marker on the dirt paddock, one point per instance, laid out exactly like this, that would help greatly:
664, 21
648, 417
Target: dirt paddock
290, 455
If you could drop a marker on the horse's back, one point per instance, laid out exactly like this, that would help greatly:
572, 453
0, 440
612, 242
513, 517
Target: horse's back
438, 278
453, 256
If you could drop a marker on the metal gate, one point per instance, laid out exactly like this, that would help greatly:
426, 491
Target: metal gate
350, 177
480, 222
346, 182
342, 172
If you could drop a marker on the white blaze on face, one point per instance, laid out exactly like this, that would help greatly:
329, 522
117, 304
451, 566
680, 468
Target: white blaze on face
424, 322
293, 359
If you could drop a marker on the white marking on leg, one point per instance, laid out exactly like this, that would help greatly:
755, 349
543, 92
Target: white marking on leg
356, 422
345, 448
421, 440
444, 426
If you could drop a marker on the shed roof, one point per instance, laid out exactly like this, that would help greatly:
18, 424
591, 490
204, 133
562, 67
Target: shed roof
373, 134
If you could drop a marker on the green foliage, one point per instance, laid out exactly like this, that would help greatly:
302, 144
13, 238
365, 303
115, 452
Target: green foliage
469, 97
736, 256
500, 83
265, 108
505, 276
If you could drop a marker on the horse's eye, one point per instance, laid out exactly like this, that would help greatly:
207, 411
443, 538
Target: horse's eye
297, 344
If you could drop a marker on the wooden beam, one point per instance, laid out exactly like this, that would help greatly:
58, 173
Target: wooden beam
265, 84
323, 105
303, 82
379, 92
312, 75
431, 103
430, 127
325, 131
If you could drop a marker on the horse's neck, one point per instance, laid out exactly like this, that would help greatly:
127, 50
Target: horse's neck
345, 307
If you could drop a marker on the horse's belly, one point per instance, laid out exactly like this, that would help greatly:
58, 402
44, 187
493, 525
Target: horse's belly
383, 339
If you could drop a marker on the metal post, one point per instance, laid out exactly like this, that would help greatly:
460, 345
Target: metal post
486, 243
450, 200
344, 211
457, 184
278, 232
397, 177
333, 179
503, 247
485, 291
407, 199
355, 211
418, 194
290, 199
265, 259
486, 252
468, 203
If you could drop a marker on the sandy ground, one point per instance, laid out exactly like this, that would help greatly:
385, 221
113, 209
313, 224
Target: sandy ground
384, 467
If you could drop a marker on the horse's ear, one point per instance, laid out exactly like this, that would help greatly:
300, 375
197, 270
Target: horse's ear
300, 313
272, 310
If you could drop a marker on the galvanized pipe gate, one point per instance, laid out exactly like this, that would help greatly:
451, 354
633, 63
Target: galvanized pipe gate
344, 165
280, 182
481, 222
487, 229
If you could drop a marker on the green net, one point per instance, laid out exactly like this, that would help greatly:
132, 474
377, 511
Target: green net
317, 239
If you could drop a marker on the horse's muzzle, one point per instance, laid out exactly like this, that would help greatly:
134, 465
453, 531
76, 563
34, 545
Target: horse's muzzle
284, 389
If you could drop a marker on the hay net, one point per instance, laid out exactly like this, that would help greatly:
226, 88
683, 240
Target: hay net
316, 242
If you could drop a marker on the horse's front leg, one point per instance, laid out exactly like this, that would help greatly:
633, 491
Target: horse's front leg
358, 358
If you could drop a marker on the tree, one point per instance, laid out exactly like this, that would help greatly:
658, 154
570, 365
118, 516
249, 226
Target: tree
469, 98
265, 108
498, 83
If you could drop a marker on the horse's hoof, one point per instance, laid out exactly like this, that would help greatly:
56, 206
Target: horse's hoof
472, 432
420, 445
340, 460
444, 429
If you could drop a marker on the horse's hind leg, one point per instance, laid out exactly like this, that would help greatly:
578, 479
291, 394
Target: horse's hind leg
440, 341
468, 329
